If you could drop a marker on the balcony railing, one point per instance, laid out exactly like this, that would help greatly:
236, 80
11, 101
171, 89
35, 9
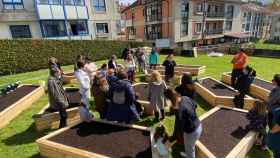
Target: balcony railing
214, 32
215, 14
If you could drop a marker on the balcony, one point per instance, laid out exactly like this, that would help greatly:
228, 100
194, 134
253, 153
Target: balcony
214, 32
215, 15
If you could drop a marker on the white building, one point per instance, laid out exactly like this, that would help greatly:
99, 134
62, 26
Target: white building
59, 19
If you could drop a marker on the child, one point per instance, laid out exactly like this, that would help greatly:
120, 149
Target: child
153, 59
112, 63
156, 94
162, 145
111, 78
169, 64
258, 121
103, 70
130, 67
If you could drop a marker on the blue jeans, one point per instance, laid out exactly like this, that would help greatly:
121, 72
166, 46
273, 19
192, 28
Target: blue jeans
190, 140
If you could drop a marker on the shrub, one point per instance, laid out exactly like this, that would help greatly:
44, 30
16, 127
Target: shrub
18, 56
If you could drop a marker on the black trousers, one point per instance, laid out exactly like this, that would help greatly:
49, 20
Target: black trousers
234, 76
63, 117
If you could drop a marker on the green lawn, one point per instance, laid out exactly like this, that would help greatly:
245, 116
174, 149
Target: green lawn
17, 139
261, 45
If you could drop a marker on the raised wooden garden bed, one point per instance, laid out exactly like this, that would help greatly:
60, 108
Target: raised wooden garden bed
98, 139
176, 80
12, 104
47, 119
217, 93
224, 134
69, 78
195, 70
260, 88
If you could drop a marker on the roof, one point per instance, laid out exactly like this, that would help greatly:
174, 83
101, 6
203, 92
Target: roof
133, 5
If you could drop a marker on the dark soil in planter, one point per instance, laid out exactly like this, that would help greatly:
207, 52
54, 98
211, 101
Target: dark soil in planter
223, 130
73, 96
13, 97
217, 88
142, 91
106, 139
263, 84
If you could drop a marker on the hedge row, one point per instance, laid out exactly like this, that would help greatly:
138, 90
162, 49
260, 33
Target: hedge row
18, 56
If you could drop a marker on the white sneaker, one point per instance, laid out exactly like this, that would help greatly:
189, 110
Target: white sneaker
183, 154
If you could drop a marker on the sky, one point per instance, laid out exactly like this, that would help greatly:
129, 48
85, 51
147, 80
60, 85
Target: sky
131, 1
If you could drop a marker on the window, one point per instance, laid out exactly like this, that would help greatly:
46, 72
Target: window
74, 2
153, 12
198, 27
229, 25
230, 11
184, 17
102, 28
153, 31
53, 28
20, 31
54, 2
199, 7
99, 5
13, 4
78, 27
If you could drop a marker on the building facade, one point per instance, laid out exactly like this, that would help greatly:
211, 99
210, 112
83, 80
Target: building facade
196, 22
60, 19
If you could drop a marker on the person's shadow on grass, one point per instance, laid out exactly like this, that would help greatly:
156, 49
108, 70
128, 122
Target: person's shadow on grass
30, 135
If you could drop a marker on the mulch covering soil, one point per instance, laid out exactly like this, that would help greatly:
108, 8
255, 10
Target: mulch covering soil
217, 88
106, 139
263, 84
13, 97
223, 130
73, 96
142, 92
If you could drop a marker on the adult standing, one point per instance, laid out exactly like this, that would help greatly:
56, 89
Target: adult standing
273, 138
90, 68
153, 59
100, 90
130, 67
57, 96
122, 97
169, 64
112, 63
125, 53
188, 120
141, 60
239, 62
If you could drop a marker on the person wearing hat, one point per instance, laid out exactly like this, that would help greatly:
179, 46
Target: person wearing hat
57, 96
187, 86
239, 62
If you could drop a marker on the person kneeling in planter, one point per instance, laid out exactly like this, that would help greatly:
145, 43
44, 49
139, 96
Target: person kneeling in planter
57, 96
188, 120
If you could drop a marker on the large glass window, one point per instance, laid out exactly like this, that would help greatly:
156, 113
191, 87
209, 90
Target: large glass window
78, 27
198, 27
13, 4
184, 17
53, 28
153, 12
74, 2
54, 2
99, 5
153, 31
20, 31
230, 11
102, 28
228, 25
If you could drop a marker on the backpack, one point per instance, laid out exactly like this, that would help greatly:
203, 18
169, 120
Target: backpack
119, 97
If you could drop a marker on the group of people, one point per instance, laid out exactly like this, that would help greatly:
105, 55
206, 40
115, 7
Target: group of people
115, 99
264, 114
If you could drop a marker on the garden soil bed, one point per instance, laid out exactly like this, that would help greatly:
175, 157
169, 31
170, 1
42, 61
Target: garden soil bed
11, 98
218, 88
223, 130
264, 84
98, 137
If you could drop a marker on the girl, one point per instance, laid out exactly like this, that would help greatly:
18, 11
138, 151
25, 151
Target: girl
156, 94
100, 90
169, 64
273, 138
187, 86
130, 67
103, 70
153, 60
187, 120
112, 64
162, 145
258, 121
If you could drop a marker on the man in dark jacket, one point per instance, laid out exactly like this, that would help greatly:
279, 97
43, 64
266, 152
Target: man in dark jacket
122, 97
57, 97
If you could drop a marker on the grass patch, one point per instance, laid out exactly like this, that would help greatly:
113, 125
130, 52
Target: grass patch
18, 138
271, 46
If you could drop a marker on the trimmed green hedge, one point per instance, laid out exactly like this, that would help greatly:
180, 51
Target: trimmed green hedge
18, 56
